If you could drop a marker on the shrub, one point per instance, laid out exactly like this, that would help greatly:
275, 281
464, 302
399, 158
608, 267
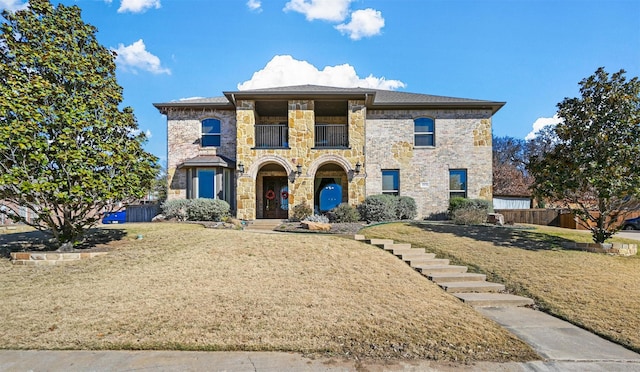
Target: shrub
301, 211
207, 209
469, 211
343, 213
175, 209
469, 216
406, 208
378, 208
196, 209
317, 218
464, 203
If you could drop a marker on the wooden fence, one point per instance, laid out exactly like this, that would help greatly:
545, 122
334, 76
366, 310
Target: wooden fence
142, 213
549, 217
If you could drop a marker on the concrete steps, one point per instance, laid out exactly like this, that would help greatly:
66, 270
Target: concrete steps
493, 299
470, 288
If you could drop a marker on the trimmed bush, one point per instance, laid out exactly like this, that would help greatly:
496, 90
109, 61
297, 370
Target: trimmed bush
464, 203
406, 208
207, 210
175, 209
343, 213
469, 217
378, 208
469, 211
196, 209
301, 211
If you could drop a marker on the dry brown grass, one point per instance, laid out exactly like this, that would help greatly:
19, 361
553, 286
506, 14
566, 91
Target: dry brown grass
189, 288
598, 292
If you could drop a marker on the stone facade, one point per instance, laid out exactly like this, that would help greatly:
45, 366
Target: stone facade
183, 142
380, 131
462, 141
301, 151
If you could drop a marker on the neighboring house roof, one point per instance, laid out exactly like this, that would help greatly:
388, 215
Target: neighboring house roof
374, 98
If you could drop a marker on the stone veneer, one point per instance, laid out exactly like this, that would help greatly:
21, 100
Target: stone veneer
462, 141
183, 137
301, 151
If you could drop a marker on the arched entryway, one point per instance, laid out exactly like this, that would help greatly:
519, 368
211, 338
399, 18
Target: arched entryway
272, 192
327, 177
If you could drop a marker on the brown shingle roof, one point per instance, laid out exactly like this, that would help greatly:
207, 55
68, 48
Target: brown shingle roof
375, 98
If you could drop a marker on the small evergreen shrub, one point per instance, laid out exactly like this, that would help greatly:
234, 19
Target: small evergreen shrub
317, 218
469, 211
207, 210
195, 209
464, 203
175, 209
343, 213
406, 208
378, 208
469, 216
301, 211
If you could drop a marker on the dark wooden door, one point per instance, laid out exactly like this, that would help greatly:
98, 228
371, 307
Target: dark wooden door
276, 197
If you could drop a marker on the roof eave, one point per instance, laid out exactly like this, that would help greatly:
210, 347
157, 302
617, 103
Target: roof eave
164, 107
233, 96
481, 105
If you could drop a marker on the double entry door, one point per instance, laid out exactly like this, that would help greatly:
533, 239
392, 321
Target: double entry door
275, 191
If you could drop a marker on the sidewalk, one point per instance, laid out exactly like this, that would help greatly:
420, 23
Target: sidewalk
98, 361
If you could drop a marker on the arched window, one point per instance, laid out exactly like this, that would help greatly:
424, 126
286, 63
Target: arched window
210, 133
424, 130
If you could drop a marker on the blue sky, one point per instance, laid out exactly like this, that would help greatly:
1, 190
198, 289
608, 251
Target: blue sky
529, 53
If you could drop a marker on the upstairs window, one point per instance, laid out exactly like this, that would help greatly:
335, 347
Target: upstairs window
424, 132
210, 133
391, 181
457, 183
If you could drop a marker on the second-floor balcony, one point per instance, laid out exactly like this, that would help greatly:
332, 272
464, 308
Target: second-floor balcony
331, 135
272, 136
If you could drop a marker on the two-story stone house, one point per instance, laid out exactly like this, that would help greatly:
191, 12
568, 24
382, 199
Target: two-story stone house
267, 150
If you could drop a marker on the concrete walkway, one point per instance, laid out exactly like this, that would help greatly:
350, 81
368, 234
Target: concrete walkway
98, 361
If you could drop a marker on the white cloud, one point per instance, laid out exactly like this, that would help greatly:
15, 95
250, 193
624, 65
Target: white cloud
364, 23
326, 10
541, 123
255, 5
13, 5
135, 57
285, 71
137, 6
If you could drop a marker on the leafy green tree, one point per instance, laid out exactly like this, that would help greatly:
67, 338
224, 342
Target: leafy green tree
594, 168
67, 152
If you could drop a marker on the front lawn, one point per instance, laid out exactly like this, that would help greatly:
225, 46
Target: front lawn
184, 287
595, 291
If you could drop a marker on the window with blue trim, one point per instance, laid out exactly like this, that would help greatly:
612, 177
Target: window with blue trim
457, 183
210, 133
424, 130
207, 183
391, 181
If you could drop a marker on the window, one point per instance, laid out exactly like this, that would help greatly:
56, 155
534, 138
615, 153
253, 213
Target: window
206, 183
210, 133
391, 181
458, 183
424, 132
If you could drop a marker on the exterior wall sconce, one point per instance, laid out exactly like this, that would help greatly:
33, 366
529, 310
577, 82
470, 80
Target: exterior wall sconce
298, 170
241, 168
358, 166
